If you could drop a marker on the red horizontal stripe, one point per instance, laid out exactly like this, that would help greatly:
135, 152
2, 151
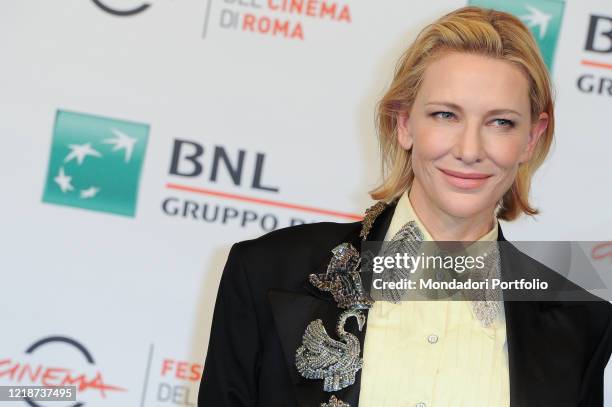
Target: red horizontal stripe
262, 201
596, 64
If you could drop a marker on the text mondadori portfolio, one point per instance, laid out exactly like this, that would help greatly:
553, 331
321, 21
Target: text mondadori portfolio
402, 262
468, 284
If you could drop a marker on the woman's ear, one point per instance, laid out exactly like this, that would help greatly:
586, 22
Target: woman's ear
536, 131
404, 135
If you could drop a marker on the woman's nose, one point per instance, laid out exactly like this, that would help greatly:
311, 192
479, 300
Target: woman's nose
468, 147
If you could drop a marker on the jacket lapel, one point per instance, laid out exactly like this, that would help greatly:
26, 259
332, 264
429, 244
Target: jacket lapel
293, 311
525, 322
350, 394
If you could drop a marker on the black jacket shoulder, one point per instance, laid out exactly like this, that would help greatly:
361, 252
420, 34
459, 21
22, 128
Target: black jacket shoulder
283, 258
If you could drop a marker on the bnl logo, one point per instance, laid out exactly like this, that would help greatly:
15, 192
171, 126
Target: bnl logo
542, 17
598, 40
95, 163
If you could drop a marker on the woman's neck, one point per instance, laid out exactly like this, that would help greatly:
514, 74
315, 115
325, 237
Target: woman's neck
444, 227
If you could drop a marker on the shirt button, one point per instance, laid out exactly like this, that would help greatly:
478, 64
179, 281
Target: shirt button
421, 404
431, 339
439, 275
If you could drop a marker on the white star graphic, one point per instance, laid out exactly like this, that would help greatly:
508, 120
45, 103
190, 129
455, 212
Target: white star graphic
89, 192
536, 18
122, 141
63, 181
80, 151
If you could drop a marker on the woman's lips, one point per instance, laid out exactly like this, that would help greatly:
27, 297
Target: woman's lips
465, 180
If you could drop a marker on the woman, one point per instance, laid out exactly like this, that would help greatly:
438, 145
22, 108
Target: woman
463, 127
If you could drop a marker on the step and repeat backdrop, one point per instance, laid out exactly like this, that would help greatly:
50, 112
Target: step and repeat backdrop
141, 138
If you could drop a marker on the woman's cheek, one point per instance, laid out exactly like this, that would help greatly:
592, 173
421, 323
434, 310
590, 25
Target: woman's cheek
505, 154
434, 144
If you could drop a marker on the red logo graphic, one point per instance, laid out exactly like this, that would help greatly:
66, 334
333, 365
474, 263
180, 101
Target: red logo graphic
39, 374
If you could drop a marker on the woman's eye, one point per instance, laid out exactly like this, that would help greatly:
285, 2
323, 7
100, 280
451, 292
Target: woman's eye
444, 115
505, 123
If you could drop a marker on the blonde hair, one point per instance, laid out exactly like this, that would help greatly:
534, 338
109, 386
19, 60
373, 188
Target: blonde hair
478, 31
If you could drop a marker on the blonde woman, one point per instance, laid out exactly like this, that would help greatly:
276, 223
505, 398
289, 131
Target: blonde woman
465, 123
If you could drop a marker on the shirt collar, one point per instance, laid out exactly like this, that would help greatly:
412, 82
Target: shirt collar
404, 213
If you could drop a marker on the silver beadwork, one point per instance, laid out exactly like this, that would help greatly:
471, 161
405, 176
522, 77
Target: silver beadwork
334, 402
370, 216
487, 303
342, 279
321, 357
407, 240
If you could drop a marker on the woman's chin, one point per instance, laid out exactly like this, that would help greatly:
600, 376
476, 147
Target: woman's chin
465, 206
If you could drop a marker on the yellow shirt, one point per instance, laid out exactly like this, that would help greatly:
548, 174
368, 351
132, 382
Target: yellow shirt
432, 353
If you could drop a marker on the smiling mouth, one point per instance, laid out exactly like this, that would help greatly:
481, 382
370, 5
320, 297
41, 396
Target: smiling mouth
465, 180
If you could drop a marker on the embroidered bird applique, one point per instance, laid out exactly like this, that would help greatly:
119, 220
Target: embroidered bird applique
334, 361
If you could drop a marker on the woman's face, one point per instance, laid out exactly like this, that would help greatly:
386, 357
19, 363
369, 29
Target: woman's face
469, 129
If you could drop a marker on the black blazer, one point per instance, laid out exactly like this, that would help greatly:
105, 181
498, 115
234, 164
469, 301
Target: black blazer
557, 350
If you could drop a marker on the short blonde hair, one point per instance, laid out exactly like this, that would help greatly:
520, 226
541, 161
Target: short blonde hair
473, 30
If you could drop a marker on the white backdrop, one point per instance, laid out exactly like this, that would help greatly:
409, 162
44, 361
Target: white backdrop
137, 292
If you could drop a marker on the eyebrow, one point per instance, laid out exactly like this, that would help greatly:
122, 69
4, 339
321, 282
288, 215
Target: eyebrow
457, 107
